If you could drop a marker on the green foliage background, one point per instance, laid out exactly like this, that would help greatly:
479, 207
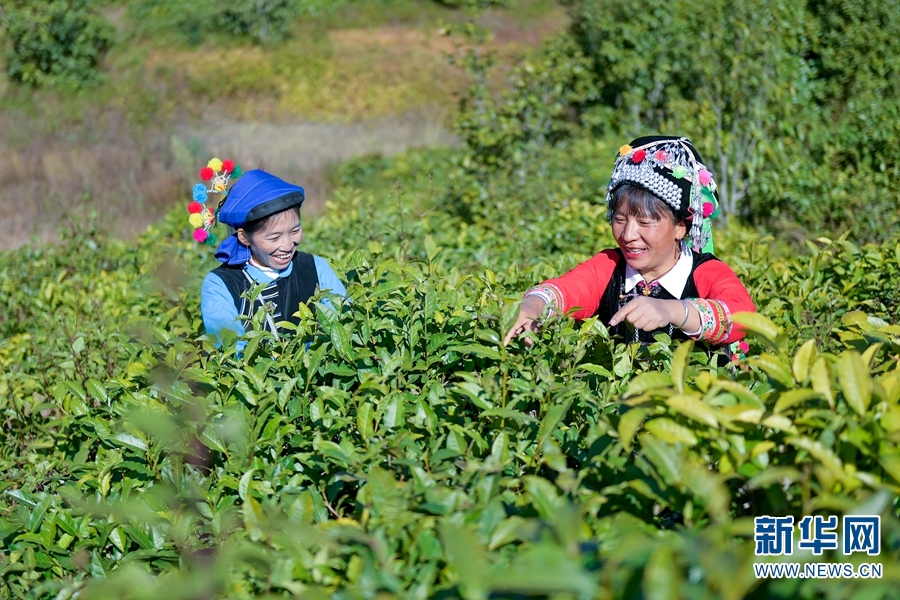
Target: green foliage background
793, 104
53, 42
190, 21
394, 446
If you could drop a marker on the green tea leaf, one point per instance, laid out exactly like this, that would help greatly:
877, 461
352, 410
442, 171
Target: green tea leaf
365, 418
544, 570
210, 438
890, 462
791, 398
467, 557
663, 456
629, 425
804, 360
648, 381
131, 441
820, 377
820, 453
246, 484
670, 432
506, 532
76, 390
97, 390
597, 370
394, 412
693, 409
773, 476
762, 328
477, 350
680, 361
284, 394
774, 367
662, 576
870, 353
855, 381
544, 497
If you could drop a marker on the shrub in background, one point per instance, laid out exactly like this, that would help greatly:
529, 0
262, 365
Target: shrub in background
261, 21
792, 104
51, 42
836, 165
474, 3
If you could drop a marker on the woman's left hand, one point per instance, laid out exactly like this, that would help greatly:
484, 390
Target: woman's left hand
649, 313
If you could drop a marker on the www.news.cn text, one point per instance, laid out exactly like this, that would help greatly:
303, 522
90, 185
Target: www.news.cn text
818, 570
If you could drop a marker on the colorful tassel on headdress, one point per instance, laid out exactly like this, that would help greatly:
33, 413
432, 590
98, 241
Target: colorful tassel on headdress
201, 217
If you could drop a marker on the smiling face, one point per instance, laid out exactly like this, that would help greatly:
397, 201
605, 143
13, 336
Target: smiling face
648, 234
273, 245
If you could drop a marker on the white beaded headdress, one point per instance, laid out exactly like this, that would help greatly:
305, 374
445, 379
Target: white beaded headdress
671, 169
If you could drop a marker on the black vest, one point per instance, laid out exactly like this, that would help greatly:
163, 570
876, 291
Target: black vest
615, 298
285, 293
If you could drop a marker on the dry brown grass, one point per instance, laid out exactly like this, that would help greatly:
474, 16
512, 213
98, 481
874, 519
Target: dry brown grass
105, 167
343, 74
129, 178
349, 75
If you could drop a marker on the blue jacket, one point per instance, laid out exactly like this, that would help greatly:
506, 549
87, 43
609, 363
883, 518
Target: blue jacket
218, 306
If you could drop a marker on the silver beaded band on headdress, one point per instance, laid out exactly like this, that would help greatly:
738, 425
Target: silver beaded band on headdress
644, 175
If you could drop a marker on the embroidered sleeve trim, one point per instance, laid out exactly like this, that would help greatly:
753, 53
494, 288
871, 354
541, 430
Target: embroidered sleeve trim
715, 320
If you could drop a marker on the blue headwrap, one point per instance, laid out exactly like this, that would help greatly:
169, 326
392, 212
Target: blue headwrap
256, 194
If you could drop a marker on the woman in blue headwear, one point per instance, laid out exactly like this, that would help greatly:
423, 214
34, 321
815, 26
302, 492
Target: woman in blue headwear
265, 214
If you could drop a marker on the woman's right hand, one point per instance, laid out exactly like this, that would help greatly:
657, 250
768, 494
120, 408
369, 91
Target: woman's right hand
528, 319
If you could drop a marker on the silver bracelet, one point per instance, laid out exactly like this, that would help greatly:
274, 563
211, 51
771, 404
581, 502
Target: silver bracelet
693, 334
686, 314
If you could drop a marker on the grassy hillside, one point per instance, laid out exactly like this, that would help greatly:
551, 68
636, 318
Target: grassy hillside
125, 148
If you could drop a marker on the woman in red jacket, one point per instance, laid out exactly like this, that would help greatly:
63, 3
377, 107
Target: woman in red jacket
663, 276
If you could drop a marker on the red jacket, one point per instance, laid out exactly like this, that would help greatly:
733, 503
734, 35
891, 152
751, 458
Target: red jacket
719, 293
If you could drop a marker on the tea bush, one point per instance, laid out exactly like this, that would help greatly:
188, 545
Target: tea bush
394, 445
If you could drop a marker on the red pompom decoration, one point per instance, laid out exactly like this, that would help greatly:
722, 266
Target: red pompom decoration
708, 209
195, 207
743, 346
662, 155
200, 235
206, 173
227, 166
639, 156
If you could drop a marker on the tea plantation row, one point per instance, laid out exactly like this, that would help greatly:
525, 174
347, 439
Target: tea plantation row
396, 447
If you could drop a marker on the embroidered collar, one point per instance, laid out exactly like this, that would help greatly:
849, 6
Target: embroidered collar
268, 272
673, 281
